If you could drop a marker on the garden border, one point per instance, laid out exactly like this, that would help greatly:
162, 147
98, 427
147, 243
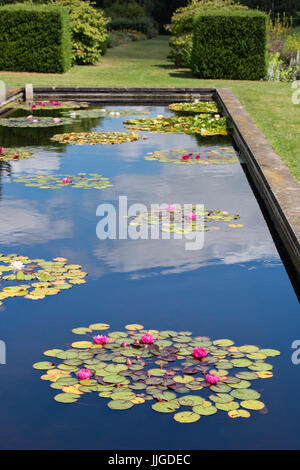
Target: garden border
276, 186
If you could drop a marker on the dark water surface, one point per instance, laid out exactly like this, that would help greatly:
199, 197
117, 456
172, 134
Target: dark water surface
235, 287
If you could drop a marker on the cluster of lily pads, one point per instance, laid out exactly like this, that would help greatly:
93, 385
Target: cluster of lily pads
13, 154
220, 156
102, 112
203, 124
33, 121
176, 218
49, 104
176, 372
195, 107
94, 138
33, 279
81, 180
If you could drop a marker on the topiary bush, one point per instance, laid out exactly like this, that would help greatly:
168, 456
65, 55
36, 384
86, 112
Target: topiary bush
35, 38
88, 26
181, 27
230, 44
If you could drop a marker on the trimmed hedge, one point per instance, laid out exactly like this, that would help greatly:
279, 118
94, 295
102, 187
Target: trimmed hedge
230, 44
35, 38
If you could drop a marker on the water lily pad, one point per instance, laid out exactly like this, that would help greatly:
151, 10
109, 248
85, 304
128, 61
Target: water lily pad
245, 394
134, 326
252, 404
66, 397
43, 365
94, 138
120, 404
239, 414
82, 181
229, 406
186, 417
166, 406
205, 410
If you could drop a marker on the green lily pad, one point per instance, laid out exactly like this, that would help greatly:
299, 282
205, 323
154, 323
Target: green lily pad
187, 417
120, 404
43, 365
66, 397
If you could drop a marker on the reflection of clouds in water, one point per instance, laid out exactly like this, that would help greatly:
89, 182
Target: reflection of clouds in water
83, 257
23, 222
222, 187
42, 162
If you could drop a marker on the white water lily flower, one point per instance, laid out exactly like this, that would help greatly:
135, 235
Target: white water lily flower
73, 115
17, 265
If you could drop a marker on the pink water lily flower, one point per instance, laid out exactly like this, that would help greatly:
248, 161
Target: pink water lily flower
197, 157
147, 338
191, 215
212, 378
100, 339
30, 116
40, 103
33, 106
66, 180
50, 101
16, 157
56, 119
185, 157
1, 150
35, 120
84, 374
198, 353
171, 207
56, 103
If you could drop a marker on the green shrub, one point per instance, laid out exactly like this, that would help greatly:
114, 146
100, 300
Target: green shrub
35, 38
181, 27
122, 9
230, 44
89, 30
143, 24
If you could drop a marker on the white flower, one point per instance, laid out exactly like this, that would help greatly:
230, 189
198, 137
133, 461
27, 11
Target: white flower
73, 115
17, 265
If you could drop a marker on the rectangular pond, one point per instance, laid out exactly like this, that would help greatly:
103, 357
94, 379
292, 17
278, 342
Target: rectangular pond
235, 287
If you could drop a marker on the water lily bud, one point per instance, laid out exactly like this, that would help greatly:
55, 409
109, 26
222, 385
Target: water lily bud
124, 345
128, 362
1, 150
148, 374
118, 385
138, 357
137, 341
159, 399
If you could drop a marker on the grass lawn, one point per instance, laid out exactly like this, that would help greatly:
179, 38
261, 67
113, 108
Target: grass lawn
145, 63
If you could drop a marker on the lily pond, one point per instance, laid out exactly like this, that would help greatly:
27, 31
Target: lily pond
137, 342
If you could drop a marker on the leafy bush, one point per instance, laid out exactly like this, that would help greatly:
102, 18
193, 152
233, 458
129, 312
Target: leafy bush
230, 44
181, 27
143, 24
125, 9
89, 31
124, 36
35, 38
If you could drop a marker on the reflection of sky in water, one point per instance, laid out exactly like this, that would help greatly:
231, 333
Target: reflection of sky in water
222, 290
